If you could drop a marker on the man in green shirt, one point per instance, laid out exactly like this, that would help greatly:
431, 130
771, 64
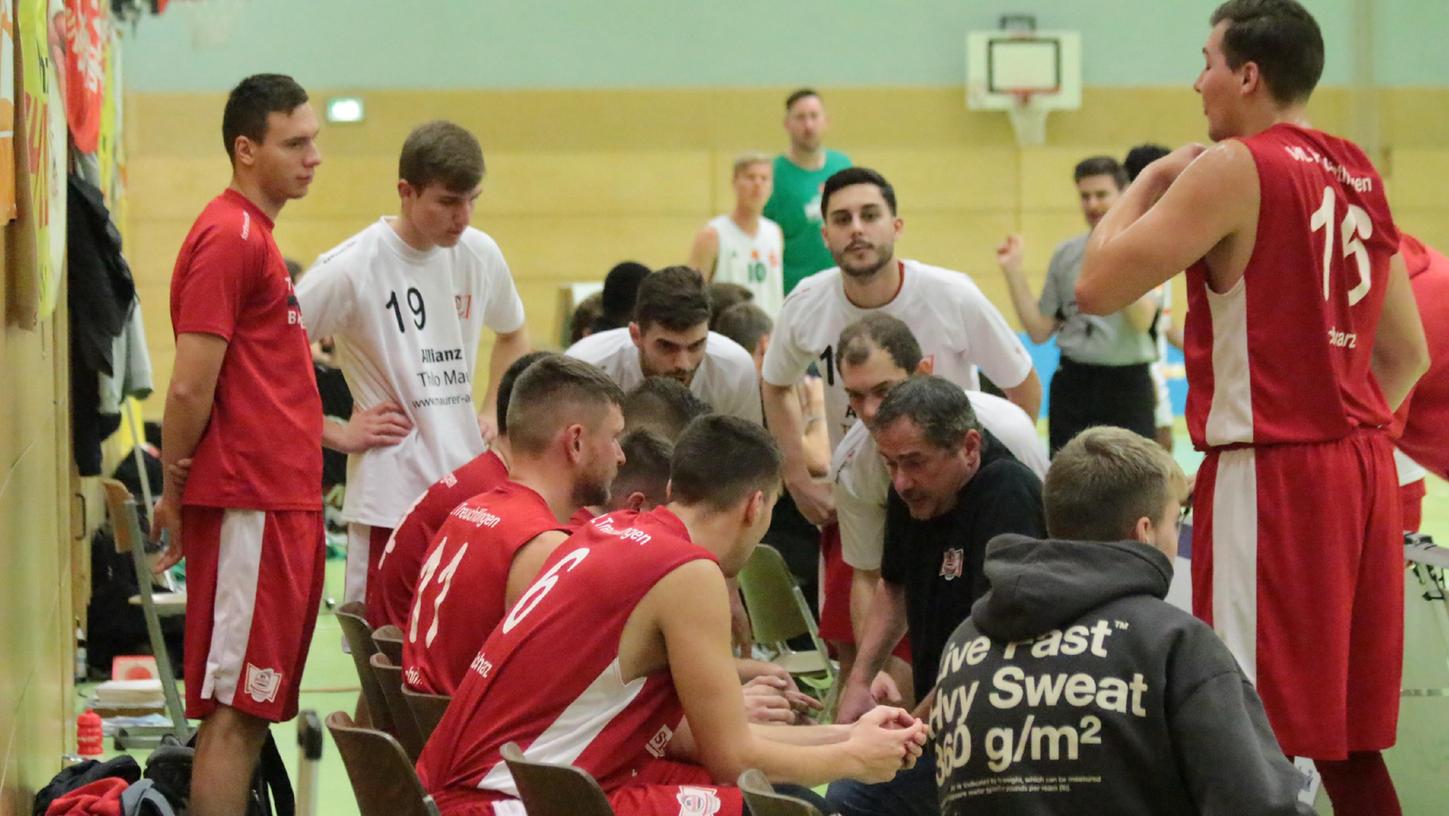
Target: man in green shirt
799, 175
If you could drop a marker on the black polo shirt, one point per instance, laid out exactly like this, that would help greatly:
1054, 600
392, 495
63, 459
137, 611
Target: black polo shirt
938, 561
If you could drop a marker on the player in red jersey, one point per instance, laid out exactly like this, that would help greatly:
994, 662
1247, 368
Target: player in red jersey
617, 659
390, 595
1301, 336
243, 407
1423, 419
564, 423
642, 482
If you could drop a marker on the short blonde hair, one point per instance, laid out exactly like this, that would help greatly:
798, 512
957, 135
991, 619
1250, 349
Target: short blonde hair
747, 159
1104, 480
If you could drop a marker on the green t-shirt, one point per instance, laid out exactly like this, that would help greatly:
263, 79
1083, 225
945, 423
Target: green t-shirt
795, 206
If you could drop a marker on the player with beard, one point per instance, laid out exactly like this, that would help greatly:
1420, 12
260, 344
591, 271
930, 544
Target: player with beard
670, 337
390, 594
1302, 337
564, 423
956, 325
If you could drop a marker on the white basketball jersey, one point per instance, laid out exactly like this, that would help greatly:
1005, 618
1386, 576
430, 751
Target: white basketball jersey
752, 261
408, 325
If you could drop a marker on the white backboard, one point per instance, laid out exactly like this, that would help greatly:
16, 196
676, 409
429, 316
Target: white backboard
1048, 63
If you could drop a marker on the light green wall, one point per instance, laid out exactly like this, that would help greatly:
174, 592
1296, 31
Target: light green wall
731, 43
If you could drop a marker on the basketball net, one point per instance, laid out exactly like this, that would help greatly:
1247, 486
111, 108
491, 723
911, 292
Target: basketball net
1028, 118
211, 21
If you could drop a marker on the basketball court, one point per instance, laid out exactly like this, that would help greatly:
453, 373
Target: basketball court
609, 130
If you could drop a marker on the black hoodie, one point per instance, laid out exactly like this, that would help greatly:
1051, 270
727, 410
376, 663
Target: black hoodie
1074, 688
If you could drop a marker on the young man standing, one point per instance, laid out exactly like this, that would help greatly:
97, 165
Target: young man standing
741, 246
670, 337
799, 177
564, 423
956, 325
243, 407
407, 300
1301, 338
1144, 710
1105, 376
390, 595
952, 490
651, 704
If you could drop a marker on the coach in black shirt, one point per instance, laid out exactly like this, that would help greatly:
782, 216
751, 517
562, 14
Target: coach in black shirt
953, 488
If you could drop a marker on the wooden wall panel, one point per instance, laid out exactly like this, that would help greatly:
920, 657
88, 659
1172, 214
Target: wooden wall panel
578, 180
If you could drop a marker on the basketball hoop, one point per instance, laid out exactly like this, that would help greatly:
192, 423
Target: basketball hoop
212, 21
1028, 117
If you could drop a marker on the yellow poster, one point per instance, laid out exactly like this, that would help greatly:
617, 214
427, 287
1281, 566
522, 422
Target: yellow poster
108, 148
7, 110
45, 144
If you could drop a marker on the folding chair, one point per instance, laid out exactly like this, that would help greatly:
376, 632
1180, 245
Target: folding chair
555, 790
778, 613
427, 710
761, 799
383, 779
358, 635
405, 728
126, 529
389, 640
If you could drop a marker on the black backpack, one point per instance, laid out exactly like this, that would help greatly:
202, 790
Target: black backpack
169, 766
82, 774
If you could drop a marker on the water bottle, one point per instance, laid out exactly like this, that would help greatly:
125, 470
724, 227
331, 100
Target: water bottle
89, 737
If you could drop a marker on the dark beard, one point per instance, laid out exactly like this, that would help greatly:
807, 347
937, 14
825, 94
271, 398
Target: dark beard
590, 494
864, 274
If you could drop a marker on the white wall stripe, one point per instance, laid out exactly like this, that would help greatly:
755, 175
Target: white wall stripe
1235, 556
238, 565
576, 727
1230, 416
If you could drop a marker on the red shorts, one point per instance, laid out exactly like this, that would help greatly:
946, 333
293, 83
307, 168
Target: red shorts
253, 585
1298, 565
1411, 505
667, 788
662, 788
835, 587
365, 544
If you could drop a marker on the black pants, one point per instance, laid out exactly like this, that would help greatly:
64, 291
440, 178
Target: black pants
1084, 395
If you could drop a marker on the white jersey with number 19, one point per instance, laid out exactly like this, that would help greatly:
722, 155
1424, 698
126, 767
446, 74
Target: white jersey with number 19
407, 326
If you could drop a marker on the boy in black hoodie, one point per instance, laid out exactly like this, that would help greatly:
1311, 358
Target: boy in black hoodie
1074, 688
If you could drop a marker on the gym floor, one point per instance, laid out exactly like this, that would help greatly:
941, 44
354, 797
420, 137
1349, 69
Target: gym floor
1417, 761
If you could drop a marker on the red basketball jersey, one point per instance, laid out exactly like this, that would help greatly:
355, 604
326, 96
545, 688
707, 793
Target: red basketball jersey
581, 516
548, 677
1425, 414
262, 447
473, 552
390, 596
1284, 355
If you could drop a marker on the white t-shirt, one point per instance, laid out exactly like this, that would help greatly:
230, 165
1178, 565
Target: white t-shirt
952, 320
752, 261
407, 326
861, 482
725, 378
